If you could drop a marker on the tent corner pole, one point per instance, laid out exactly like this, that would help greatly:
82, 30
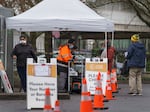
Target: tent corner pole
106, 42
112, 39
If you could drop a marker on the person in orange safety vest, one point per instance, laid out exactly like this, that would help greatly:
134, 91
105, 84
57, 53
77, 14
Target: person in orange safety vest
64, 56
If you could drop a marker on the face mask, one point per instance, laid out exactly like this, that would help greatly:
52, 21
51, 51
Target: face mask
23, 41
71, 46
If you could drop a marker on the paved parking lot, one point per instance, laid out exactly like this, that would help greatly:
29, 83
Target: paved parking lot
123, 103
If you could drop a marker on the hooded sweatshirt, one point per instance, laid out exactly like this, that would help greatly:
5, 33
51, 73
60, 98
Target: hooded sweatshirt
136, 55
23, 52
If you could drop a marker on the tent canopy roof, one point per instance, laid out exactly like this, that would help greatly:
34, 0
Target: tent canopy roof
60, 15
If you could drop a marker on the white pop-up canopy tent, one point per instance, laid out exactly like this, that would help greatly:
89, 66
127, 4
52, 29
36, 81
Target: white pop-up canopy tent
60, 15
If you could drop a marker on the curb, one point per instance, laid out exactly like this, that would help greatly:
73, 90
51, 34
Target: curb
12, 96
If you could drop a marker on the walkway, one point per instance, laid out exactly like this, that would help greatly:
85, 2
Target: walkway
123, 103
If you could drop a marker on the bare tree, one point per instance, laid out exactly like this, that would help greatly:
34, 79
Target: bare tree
142, 7
19, 6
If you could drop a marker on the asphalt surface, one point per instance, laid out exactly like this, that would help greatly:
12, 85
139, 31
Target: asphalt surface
123, 103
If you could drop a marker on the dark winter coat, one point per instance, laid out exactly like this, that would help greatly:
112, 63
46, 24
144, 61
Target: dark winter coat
136, 55
23, 52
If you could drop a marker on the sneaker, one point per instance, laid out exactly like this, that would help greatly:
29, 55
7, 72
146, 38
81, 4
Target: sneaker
139, 94
134, 94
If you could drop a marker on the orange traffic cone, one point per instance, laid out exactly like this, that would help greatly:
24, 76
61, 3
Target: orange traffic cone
114, 81
85, 104
98, 97
57, 106
90, 102
47, 106
108, 92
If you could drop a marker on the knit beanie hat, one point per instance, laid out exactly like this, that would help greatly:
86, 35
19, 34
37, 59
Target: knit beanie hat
135, 38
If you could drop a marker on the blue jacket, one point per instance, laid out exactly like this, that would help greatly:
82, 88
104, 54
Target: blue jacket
136, 55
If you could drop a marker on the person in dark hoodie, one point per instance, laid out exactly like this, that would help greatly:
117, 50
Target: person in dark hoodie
135, 55
21, 52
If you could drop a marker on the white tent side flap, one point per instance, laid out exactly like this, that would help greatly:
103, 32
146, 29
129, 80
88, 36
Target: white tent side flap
60, 15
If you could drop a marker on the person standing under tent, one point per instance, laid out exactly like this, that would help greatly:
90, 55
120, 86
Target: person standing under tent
64, 56
110, 55
21, 52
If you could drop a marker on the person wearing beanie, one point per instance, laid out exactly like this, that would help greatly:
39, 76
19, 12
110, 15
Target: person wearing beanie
64, 56
135, 38
136, 55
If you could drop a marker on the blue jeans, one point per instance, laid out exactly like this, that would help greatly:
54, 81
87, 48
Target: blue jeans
22, 75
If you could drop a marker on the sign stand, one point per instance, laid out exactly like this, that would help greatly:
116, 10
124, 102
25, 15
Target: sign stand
5, 80
40, 76
92, 67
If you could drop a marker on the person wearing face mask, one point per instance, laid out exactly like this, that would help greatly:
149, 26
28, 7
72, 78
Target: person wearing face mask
64, 56
21, 52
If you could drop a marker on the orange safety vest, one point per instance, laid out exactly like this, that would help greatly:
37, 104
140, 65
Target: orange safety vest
64, 54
